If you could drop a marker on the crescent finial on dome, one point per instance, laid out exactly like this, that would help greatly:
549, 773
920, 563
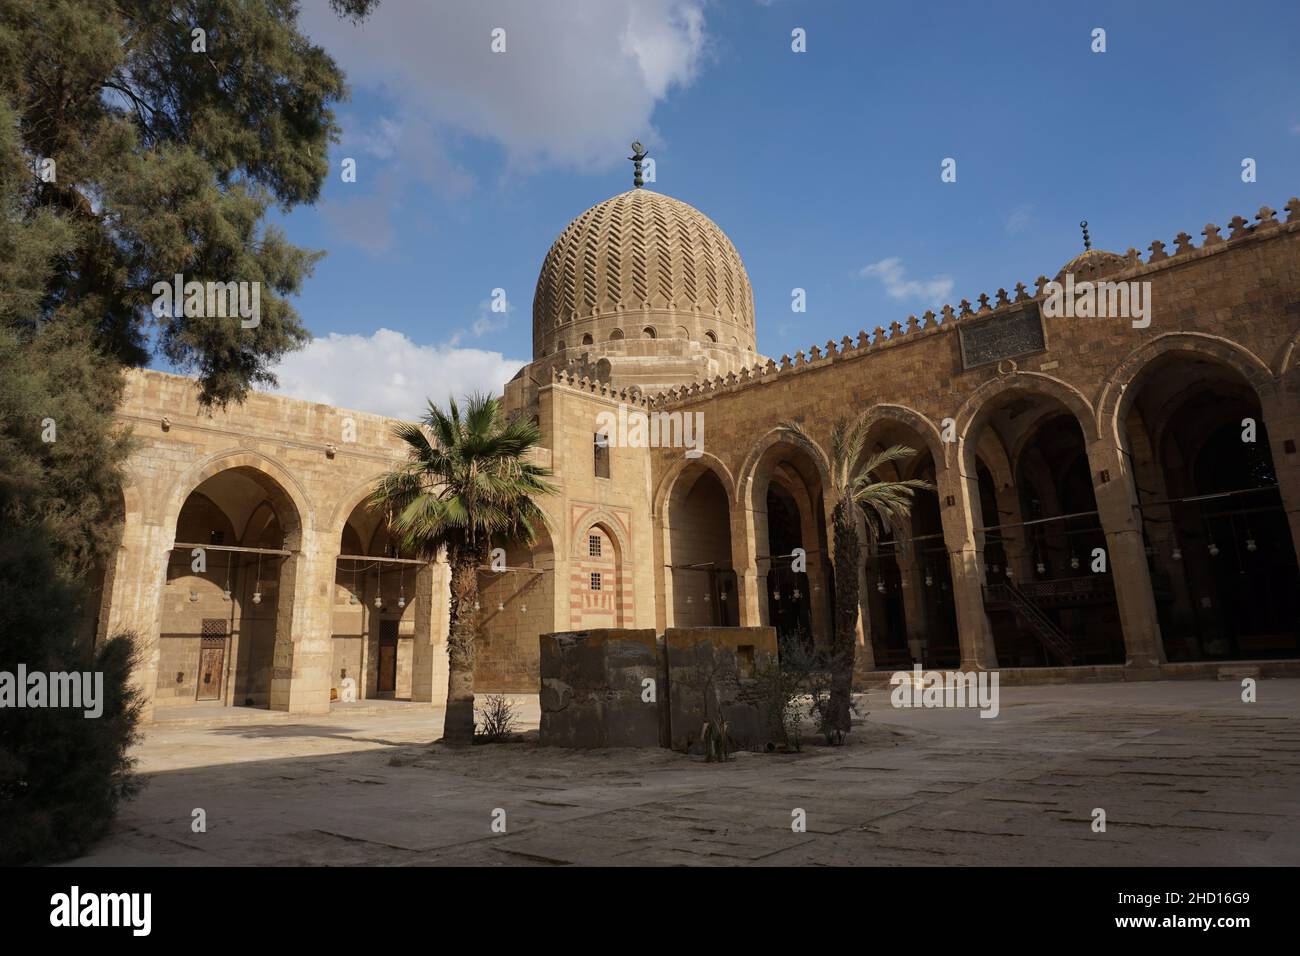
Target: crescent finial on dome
639, 153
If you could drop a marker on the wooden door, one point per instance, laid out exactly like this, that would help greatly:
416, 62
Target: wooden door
212, 665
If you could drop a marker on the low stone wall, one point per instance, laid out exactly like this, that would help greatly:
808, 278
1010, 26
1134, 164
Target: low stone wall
593, 687
710, 673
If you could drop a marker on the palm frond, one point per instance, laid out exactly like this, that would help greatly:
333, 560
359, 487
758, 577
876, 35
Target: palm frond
469, 478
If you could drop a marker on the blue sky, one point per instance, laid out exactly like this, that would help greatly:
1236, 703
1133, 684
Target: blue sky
818, 164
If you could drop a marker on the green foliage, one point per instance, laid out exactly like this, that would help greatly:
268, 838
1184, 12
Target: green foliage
800, 683
885, 505
62, 774
69, 487
780, 684
167, 159
715, 737
468, 480
354, 10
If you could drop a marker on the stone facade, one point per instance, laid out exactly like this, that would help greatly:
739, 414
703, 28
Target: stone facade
1049, 441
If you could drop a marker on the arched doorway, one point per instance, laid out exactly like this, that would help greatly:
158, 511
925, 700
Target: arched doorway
703, 584
907, 598
374, 609
935, 614
224, 611
1049, 591
789, 607
785, 492
1219, 546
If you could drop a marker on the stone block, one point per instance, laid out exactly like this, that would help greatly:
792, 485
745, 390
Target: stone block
592, 687
711, 672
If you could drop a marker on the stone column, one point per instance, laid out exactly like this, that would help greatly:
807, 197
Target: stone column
1126, 558
135, 603
911, 577
429, 646
744, 559
303, 657
667, 617
973, 631
663, 556
1283, 420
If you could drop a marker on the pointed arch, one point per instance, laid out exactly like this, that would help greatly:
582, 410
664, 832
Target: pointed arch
1116, 394
282, 488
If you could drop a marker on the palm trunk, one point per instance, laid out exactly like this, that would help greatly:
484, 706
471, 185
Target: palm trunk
458, 726
848, 550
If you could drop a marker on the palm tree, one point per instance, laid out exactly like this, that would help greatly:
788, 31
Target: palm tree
884, 505
468, 483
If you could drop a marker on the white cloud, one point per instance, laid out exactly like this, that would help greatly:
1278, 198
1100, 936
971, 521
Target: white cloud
666, 44
410, 146
388, 374
578, 81
1020, 217
486, 321
893, 276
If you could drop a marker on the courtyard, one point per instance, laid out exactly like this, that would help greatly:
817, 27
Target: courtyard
1186, 773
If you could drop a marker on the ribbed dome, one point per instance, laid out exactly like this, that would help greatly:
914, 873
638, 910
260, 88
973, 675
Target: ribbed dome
1092, 263
642, 265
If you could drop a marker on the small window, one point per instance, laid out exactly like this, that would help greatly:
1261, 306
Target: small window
649, 332
600, 448
560, 346
711, 336
745, 661
593, 545
615, 335
595, 580
586, 339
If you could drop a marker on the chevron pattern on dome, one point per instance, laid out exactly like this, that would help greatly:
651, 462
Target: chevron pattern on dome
642, 250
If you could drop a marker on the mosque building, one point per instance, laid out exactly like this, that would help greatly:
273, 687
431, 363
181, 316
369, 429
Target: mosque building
1113, 500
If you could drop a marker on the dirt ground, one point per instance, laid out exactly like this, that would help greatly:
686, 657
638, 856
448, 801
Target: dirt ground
1186, 773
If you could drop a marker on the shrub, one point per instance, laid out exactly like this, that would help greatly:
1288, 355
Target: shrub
496, 719
799, 672
780, 685
62, 774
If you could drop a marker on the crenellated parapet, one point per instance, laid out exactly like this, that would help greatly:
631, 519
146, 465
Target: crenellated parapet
1094, 266
570, 379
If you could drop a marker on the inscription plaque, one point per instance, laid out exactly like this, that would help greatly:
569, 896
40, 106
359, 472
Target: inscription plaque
1017, 332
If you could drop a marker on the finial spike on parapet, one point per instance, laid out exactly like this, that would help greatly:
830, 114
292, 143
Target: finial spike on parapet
639, 153
1087, 241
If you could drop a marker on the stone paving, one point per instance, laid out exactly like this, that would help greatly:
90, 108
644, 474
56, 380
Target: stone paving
1186, 772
